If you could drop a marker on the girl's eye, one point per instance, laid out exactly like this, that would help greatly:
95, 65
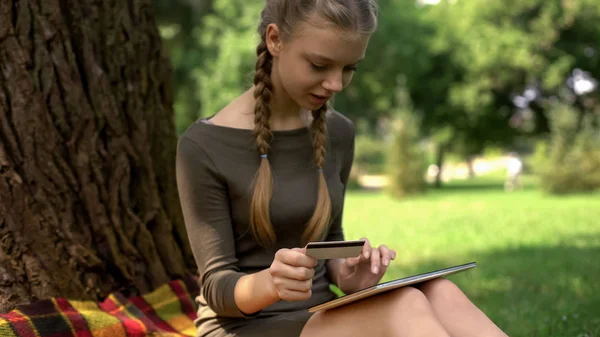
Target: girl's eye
318, 67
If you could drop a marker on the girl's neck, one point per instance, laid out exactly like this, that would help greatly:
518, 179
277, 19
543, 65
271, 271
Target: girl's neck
285, 114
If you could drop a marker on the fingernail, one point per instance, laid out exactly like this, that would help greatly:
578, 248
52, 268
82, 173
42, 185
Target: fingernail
375, 270
386, 263
367, 254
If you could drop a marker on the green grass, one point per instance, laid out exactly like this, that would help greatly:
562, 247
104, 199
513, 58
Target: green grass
538, 256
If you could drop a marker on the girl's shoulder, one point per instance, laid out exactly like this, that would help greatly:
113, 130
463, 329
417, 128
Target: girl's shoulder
340, 129
212, 136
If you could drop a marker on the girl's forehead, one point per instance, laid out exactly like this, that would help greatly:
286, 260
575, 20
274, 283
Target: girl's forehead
317, 25
330, 42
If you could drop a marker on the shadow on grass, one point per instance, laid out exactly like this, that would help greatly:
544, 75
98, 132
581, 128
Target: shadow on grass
530, 290
482, 184
468, 187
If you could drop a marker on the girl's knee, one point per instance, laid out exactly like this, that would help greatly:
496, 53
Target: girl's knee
442, 289
408, 298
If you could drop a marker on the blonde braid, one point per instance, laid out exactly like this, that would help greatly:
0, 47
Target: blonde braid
260, 219
319, 221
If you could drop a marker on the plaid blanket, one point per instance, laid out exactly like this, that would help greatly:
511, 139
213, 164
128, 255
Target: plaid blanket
167, 311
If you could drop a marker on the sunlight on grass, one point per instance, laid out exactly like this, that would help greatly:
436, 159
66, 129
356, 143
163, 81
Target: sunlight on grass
538, 256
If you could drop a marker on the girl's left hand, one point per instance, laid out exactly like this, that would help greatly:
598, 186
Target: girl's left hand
366, 270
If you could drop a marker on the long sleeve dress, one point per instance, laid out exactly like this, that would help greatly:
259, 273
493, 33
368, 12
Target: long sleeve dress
216, 166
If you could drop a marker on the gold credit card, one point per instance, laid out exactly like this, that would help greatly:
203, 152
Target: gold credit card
326, 250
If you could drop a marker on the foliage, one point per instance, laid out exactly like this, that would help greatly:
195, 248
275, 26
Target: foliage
570, 161
398, 47
485, 55
229, 37
465, 64
177, 20
370, 154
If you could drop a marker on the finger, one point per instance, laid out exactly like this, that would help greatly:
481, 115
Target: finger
353, 261
375, 261
299, 250
295, 273
296, 285
292, 295
296, 258
303, 251
386, 255
366, 248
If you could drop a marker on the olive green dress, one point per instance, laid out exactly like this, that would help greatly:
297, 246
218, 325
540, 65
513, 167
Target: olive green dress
215, 168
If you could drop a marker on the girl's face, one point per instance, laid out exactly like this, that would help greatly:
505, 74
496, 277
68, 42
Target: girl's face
316, 62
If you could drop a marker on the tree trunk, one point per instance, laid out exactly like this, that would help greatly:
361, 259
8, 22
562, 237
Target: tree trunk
470, 160
440, 163
88, 201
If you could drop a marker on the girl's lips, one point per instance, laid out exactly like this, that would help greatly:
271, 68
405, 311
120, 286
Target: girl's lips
319, 99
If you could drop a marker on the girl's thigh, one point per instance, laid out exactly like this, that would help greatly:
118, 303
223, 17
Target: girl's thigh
403, 312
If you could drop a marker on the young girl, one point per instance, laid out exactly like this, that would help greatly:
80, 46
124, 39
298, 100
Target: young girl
268, 173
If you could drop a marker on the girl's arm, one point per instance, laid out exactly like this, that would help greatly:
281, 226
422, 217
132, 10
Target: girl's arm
255, 292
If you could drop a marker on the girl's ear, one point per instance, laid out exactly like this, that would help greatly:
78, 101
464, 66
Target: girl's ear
273, 39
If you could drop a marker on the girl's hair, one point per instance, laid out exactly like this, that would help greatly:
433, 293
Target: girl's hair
352, 15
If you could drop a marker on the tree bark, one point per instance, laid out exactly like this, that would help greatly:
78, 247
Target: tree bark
88, 200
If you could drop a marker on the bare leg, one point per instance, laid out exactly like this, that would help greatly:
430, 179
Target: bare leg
404, 312
458, 315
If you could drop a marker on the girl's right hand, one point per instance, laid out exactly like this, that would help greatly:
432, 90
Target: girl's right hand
292, 272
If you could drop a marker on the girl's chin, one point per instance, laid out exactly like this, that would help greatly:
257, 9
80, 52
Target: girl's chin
310, 102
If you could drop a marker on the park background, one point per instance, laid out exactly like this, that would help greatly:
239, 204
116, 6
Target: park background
459, 85
94, 95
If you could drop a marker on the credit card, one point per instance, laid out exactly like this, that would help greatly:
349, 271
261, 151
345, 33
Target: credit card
326, 250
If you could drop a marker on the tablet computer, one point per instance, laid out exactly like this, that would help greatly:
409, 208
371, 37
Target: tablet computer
390, 285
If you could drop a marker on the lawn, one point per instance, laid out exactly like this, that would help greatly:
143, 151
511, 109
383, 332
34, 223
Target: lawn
538, 256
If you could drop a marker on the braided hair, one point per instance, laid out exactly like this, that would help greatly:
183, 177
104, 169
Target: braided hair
260, 219
321, 216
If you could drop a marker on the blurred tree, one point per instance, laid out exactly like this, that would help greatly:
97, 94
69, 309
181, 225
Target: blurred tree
88, 201
229, 39
398, 47
494, 67
570, 160
406, 157
179, 22
519, 53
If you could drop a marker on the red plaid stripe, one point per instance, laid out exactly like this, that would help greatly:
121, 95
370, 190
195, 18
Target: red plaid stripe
20, 324
148, 311
187, 306
135, 312
78, 323
132, 327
